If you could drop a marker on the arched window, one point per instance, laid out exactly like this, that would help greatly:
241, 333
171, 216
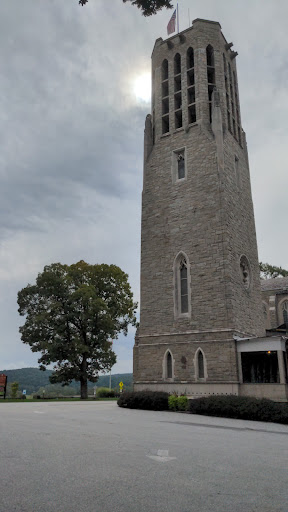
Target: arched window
210, 76
245, 272
191, 100
284, 307
200, 365
177, 64
227, 93
181, 166
232, 98
165, 69
165, 97
183, 286
210, 55
190, 58
238, 123
182, 302
168, 365
178, 119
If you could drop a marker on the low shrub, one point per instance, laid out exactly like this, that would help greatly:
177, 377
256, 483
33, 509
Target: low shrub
50, 396
178, 403
105, 393
240, 407
182, 403
173, 402
149, 400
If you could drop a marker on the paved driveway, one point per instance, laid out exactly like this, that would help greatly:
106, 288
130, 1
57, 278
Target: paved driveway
94, 456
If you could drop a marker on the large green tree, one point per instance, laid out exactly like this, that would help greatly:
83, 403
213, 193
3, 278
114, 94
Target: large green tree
268, 271
148, 7
72, 314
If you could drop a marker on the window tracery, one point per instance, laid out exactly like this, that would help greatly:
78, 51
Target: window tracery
182, 302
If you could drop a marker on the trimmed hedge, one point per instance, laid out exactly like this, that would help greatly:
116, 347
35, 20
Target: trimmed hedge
148, 400
240, 407
106, 393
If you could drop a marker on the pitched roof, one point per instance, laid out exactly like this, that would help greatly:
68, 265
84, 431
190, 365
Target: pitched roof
278, 283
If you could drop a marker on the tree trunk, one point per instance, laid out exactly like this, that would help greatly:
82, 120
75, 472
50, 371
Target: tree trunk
83, 379
84, 388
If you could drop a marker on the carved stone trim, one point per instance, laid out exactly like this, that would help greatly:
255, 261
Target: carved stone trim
245, 271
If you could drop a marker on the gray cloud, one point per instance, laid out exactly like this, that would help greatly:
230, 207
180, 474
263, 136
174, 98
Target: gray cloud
72, 135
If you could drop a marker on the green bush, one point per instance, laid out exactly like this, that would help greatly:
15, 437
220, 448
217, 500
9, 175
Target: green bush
105, 393
14, 389
173, 402
182, 403
178, 403
245, 408
149, 400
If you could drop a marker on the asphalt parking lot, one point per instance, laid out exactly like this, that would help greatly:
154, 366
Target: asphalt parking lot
95, 456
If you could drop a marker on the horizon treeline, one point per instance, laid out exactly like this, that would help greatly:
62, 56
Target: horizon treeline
35, 380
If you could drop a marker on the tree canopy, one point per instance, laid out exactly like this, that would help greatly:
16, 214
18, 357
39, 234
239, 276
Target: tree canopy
72, 315
270, 271
14, 389
148, 7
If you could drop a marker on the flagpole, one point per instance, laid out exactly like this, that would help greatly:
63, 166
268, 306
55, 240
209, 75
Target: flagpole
177, 19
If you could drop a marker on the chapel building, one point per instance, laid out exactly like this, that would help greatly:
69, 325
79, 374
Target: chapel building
201, 310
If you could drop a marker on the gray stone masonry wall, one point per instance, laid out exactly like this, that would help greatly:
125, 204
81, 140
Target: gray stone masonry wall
183, 216
208, 215
221, 360
273, 300
241, 239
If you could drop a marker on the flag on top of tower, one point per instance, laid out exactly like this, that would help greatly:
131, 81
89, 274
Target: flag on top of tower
171, 24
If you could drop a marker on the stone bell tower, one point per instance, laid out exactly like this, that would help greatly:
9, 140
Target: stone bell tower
200, 286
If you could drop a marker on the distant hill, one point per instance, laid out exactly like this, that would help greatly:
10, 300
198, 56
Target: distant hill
32, 379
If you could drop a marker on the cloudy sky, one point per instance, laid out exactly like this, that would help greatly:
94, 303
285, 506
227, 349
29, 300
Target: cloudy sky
73, 93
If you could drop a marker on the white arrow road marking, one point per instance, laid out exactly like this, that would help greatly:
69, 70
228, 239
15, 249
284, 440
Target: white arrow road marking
38, 412
162, 456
